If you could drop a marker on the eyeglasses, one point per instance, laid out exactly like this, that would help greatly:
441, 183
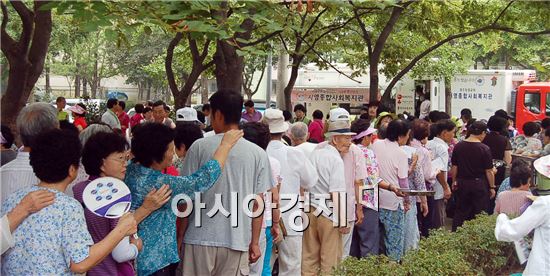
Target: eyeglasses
123, 159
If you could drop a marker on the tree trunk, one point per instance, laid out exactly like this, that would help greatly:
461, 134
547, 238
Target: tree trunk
77, 86
448, 95
204, 90
25, 57
85, 88
282, 78
47, 77
374, 80
291, 82
95, 79
149, 90
140, 91
229, 67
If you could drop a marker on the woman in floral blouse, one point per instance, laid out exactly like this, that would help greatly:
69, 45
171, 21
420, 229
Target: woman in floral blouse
153, 149
366, 236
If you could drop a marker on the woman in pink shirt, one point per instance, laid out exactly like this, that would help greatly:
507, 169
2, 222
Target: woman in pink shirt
511, 202
316, 127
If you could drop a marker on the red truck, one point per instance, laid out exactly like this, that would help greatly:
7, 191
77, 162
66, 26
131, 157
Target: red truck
532, 103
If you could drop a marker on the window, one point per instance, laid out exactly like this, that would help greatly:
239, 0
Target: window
547, 104
532, 101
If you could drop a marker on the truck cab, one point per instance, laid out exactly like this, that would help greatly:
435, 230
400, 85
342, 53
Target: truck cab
532, 103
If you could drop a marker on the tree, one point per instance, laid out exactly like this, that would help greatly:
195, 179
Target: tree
308, 30
25, 56
253, 64
434, 24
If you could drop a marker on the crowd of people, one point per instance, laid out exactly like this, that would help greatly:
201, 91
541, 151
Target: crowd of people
319, 189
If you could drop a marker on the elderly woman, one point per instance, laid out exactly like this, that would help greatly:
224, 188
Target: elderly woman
528, 144
394, 169
420, 132
153, 149
105, 154
366, 235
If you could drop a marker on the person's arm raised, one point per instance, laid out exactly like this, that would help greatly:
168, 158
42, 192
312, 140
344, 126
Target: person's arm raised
126, 226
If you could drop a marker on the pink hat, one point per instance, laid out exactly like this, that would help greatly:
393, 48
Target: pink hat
77, 109
364, 133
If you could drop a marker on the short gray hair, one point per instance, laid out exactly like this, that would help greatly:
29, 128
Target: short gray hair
299, 131
35, 119
91, 130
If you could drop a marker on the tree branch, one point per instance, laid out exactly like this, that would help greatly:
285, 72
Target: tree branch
27, 21
413, 62
168, 62
366, 35
315, 21
258, 84
510, 30
205, 49
502, 12
388, 28
336, 27
40, 41
260, 40
283, 42
7, 42
193, 48
330, 64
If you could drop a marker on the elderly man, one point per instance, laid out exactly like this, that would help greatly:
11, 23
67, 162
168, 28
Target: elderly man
323, 238
110, 116
33, 120
298, 136
355, 173
296, 173
161, 115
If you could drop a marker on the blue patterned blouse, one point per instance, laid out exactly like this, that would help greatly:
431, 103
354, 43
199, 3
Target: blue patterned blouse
158, 230
47, 241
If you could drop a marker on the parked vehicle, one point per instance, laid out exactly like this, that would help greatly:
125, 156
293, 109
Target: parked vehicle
532, 103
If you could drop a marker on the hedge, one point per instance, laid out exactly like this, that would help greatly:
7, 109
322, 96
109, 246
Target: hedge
471, 250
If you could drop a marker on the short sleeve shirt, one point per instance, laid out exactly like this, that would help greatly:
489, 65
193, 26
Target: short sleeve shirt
110, 118
370, 196
47, 241
159, 228
440, 158
472, 159
247, 172
330, 168
393, 165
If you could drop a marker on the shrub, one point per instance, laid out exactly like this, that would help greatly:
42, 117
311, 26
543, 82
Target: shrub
471, 250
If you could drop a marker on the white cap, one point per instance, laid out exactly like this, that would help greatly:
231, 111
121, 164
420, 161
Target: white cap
339, 114
275, 119
186, 114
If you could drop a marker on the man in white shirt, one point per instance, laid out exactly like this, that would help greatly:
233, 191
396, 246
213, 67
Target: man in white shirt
33, 120
323, 237
297, 173
439, 148
298, 136
110, 116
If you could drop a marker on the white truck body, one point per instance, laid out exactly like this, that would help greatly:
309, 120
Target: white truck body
485, 91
